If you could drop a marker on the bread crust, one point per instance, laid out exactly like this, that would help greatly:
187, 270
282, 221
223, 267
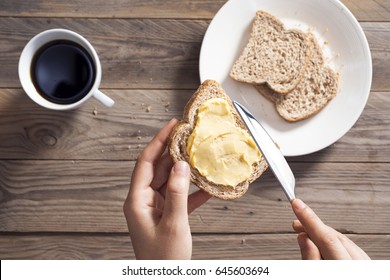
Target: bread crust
317, 88
273, 55
178, 139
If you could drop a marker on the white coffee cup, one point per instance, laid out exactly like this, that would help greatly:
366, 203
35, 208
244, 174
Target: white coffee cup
25, 68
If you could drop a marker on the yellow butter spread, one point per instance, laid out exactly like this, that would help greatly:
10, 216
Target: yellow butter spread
220, 150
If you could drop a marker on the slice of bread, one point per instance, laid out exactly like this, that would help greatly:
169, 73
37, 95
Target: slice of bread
273, 55
318, 86
178, 139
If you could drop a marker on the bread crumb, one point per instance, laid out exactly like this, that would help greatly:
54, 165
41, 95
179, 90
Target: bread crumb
139, 137
148, 108
129, 147
167, 105
243, 241
326, 42
95, 112
166, 110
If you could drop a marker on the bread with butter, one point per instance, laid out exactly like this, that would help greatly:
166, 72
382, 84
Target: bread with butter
180, 134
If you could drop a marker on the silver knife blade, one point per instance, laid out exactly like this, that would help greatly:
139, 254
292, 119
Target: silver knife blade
270, 151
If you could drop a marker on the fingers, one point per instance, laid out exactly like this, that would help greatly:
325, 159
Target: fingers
144, 169
309, 250
197, 199
325, 238
353, 250
317, 239
161, 174
297, 226
176, 197
307, 218
144, 210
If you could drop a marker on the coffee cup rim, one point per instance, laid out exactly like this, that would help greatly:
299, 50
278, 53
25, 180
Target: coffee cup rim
34, 44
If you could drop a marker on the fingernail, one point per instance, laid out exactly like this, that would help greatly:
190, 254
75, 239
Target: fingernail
174, 120
181, 167
298, 204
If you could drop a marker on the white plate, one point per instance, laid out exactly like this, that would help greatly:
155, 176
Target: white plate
345, 47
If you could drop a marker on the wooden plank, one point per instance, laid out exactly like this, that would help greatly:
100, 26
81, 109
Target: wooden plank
274, 246
365, 141
87, 196
378, 36
105, 247
112, 9
120, 133
364, 10
91, 132
136, 53
369, 10
149, 53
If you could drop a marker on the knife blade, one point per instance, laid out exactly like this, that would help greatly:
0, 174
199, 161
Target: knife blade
270, 151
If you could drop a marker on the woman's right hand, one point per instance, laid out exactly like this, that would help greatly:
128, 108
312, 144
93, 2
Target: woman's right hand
319, 241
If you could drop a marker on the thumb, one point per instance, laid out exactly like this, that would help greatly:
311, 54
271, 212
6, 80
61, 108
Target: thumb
176, 197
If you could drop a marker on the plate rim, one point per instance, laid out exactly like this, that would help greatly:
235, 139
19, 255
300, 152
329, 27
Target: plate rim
367, 60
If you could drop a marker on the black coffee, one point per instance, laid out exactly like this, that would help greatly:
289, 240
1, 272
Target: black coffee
63, 72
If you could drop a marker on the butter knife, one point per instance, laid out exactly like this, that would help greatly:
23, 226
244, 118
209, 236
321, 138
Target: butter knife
270, 151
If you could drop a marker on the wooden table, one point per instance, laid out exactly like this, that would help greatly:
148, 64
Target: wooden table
64, 175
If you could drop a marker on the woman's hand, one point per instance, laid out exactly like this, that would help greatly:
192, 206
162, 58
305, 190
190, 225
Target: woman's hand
319, 241
158, 203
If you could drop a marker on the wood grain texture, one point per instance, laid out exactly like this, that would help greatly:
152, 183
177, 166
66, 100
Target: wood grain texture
64, 175
87, 196
108, 247
134, 53
120, 133
113, 8
91, 132
366, 141
369, 10
378, 38
150, 53
364, 10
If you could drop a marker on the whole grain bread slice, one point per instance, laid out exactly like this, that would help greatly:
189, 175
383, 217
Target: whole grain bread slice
274, 55
318, 86
178, 139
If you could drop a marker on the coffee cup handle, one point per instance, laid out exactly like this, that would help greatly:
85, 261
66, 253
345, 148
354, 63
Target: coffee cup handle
104, 99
